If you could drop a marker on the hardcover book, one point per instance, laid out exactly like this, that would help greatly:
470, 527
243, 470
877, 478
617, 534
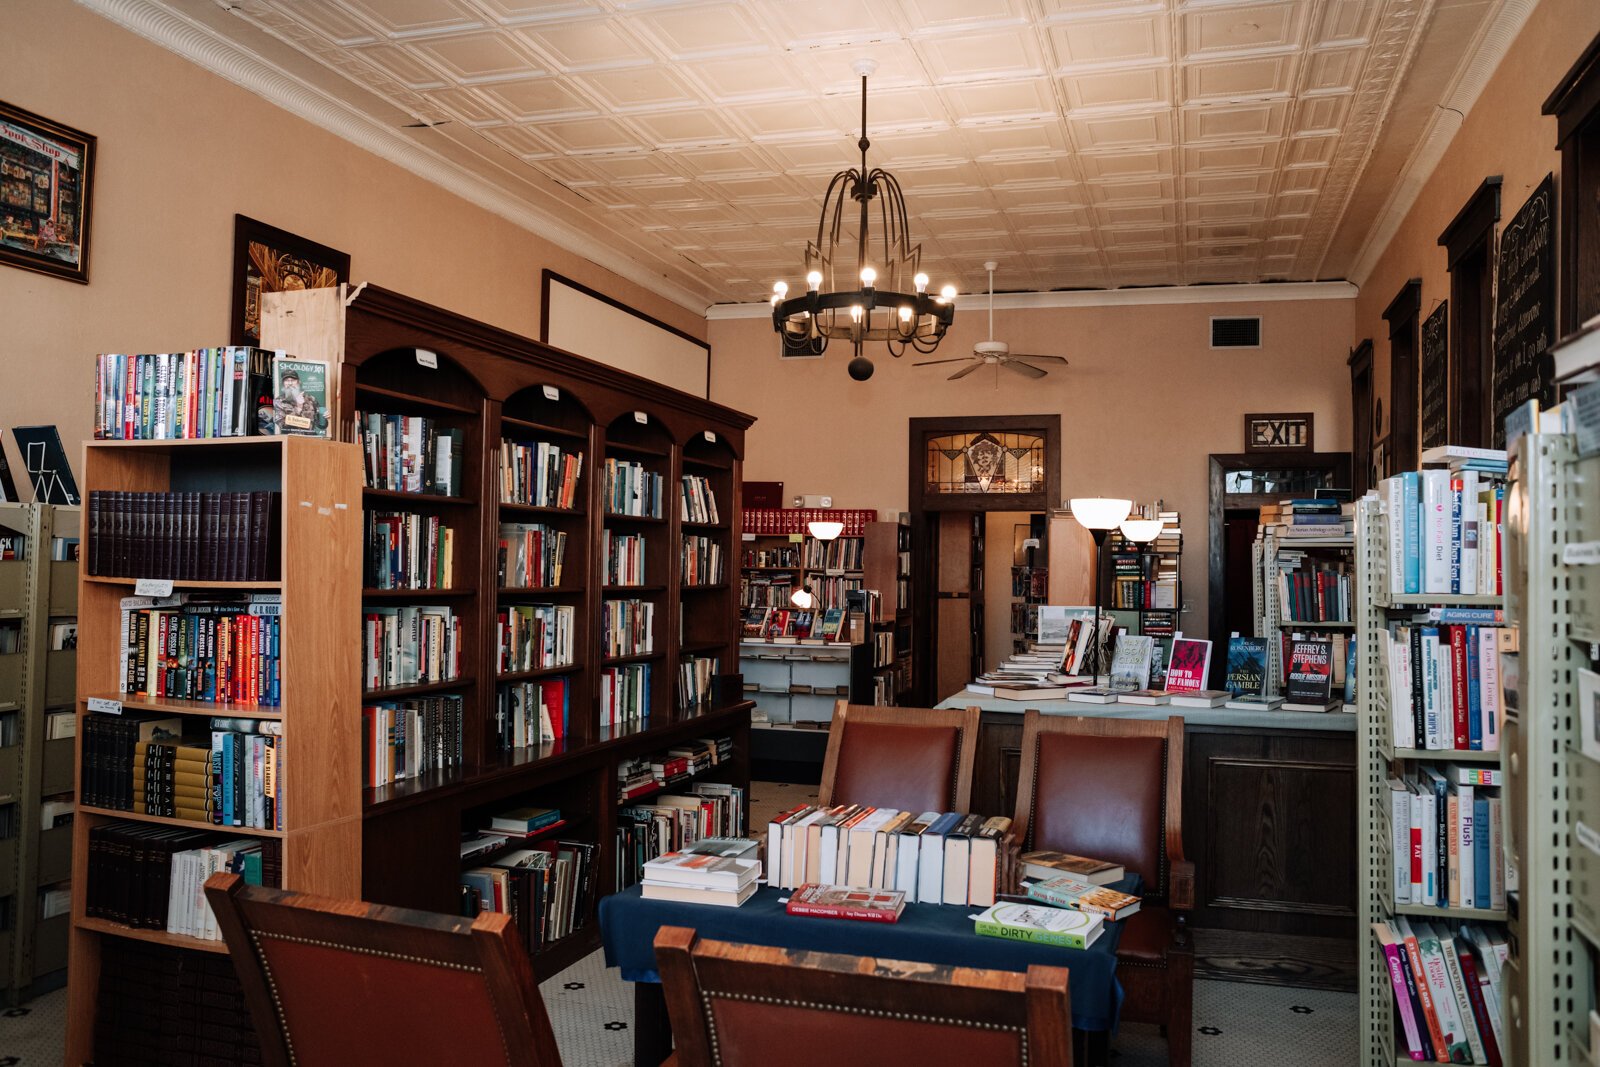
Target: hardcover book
1069, 892
1040, 924
1247, 666
1310, 674
1188, 665
847, 902
299, 397
1130, 666
1045, 864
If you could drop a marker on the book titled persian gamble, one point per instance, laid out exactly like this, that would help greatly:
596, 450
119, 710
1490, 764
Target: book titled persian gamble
847, 902
1041, 924
1069, 892
1045, 865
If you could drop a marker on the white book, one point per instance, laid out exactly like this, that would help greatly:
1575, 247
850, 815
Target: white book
1393, 495
1418, 813
1469, 532
1397, 660
1444, 695
862, 842
1489, 686
1436, 531
1400, 838
930, 868
1466, 866
1437, 974
1458, 986
1430, 842
1430, 690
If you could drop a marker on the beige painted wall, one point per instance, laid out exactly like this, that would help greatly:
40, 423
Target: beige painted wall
1503, 134
180, 152
1143, 403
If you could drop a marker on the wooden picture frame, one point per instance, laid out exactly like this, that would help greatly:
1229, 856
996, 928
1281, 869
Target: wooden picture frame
1280, 431
269, 260
46, 195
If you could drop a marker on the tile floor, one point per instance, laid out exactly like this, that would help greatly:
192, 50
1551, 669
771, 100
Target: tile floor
591, 1009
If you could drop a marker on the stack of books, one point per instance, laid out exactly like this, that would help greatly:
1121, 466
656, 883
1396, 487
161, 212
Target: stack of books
1446, 523
702, 878
1443, 679
711, 811
1067, 891
1447, 837
932, 857
1317, 518
549, 888
1448, 987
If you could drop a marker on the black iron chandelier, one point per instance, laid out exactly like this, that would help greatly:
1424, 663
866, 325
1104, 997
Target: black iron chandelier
864, 301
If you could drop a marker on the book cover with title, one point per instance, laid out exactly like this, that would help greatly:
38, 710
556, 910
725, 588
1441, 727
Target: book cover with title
1310, 670
1188, 665
1247, 666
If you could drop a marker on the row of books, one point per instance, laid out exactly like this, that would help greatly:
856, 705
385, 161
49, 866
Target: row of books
630, 489
408, 738
151, 877
883, 648
776, 522
532, 637
149, 993
627, 627
548, 888
695, 677
710, 811
790, 626
14, 546
699, 503
221, 648
1449, 988
532, 713
205, 392
1445, 531
539, 474
787, 556
833, 591
145, 764
184, 536
640, 775
411, 454
624, 695
701, 561
1444, 682
530, 555
766, 590
932, 857
405, 550
839, 554
1314, 517
1314, 590
414, 644
622, 559
1448, 837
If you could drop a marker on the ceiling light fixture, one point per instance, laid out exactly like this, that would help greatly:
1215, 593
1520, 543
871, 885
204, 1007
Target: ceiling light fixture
863, 301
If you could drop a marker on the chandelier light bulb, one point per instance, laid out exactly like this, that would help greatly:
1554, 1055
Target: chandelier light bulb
868, 276
948, 292
855, 312
921, 282
905, 312
813, 280
780, 287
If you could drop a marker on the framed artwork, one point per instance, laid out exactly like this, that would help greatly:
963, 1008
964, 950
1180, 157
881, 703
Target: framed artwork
269, 260
46, 182
1380, 461
1278, 432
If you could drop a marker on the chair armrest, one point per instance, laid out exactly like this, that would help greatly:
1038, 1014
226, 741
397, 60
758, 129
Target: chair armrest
1010, 877
1180, 890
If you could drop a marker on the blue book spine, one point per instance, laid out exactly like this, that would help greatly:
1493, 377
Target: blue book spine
1411, 517
228, 757
1455, 535
1474, 694
1481, 857
566, 705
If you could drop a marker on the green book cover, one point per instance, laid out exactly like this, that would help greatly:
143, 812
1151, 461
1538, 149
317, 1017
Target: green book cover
300, 397
1040, 924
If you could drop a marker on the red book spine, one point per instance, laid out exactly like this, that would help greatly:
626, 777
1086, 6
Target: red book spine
1480, 1010
1458, 685
828, 911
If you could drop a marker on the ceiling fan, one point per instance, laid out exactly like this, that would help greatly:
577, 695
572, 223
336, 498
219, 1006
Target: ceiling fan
992, 353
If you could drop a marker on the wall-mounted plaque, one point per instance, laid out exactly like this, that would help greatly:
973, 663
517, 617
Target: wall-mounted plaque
1525, 308
1278, 432
1435, 378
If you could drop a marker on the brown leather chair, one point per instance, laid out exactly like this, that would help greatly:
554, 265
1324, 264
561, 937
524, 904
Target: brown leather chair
910, 759
1113, 789
343, 983
754, 1006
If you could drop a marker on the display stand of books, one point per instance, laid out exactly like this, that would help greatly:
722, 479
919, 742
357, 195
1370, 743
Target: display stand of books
561, 680
1303, 585
315, 840
1142, 584
1381, 764
38, 641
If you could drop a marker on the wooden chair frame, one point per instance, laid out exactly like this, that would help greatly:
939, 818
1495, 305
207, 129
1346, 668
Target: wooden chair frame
486, 945
965, 721
888, 988
1174, 884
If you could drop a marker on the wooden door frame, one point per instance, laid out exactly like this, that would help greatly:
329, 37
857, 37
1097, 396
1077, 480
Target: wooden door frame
922, 504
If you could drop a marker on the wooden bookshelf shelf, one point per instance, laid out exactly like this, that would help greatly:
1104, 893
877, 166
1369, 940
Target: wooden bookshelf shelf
539, 510
638, 657
399, 496
690, 648
250, 444
1303, 624
180, 586
154, 937
542, 672
370, 593
1441, 755
420, 689
706, 464
623, 591
647, 520
530, 427
628, 449
539, 590
707, 587
687, 525
169, 706
188, 824
428, 402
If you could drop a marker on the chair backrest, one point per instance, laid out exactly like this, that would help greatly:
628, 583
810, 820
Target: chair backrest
345, 982
910, 759
755, 1006
1111, 789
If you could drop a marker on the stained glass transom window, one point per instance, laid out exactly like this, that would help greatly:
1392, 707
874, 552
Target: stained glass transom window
986, 463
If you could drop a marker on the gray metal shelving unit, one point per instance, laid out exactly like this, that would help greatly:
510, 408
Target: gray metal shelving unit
36, 593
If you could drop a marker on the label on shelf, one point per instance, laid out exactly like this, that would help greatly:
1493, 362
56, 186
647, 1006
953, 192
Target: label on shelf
640, 417
427, 359
153, 587
105, 705
1581, 553
1586, 836
550, 392
710, 436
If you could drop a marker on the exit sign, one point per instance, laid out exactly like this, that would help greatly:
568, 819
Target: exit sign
1278, 432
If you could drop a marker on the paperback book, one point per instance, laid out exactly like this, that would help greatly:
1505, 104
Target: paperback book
847, 902
1040, 924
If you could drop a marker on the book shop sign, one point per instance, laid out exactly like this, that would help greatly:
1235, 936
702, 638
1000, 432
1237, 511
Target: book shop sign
1278, 432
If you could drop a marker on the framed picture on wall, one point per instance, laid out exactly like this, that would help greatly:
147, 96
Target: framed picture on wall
1380, 461
269, 260
46, 180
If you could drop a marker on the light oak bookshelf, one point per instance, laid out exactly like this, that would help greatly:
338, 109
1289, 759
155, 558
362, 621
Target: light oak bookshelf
320, 844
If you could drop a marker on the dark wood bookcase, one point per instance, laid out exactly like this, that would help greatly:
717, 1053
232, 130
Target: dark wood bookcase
396, 355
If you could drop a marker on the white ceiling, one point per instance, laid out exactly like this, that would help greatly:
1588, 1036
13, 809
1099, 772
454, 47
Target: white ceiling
1081, 143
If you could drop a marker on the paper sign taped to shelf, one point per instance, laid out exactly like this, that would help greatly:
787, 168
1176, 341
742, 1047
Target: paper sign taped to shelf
709, 436
153, 587
1581, 553
550, 392
640, 417
1589, 712
427, 359
1586, 836
105, 705
1585, 404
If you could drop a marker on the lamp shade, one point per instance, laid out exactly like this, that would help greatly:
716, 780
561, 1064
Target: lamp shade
1099, 512
1142, 530
825, 530
803, 598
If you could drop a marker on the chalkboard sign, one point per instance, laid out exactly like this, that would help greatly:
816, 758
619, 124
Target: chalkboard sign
1525, 308
1435, 379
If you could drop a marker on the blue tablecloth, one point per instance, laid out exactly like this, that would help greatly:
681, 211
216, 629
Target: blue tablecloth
926, 933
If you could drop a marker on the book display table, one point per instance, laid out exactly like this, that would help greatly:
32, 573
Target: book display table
938, 934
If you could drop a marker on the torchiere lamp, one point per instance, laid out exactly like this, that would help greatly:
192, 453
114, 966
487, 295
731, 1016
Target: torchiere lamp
1099, 515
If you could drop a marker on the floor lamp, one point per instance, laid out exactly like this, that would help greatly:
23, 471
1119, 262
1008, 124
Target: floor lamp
1099, 515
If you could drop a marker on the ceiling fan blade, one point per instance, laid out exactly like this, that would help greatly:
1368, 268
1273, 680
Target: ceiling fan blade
963, 372
1024, 368
936, 362
1041, 359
